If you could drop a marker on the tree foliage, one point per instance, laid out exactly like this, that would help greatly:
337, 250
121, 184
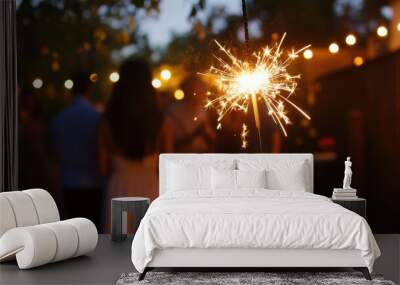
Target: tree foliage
56, 37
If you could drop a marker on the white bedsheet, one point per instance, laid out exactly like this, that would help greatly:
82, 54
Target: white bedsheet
250, 218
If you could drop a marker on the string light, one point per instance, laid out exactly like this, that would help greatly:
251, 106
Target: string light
351, 39
68, 84
156, 83
382, 31
333, 48
37, 83
358, 61
165, 74
308, 54
93, 77
114, 76
179, 94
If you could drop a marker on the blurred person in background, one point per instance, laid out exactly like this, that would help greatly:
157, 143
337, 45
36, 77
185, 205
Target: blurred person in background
74, 137
131, 135
192, 130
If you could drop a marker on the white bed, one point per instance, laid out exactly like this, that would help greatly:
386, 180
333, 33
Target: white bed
248, 227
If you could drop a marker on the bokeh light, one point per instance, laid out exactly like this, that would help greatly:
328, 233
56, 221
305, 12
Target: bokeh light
93, 77
398, 26
333, 48
308, 54
68, 84
165, 74
382, 31
178, 94
156, 83
37, 83
358, 61
351, 39
114, 76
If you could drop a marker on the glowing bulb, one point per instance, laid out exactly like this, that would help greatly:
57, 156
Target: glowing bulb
178, 94
165, 74
333, 48
68, 84
358, 61
37, 83
114, 77
382, 31
93, 77
308, 54
351, 39
398, 26
156, 83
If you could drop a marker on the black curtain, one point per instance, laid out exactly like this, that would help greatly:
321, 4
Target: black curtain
8, 97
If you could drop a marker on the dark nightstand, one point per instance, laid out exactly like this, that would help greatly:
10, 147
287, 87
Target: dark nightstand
358, 205
119, 208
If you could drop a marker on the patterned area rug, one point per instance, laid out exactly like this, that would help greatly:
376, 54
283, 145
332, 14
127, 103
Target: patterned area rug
269, 278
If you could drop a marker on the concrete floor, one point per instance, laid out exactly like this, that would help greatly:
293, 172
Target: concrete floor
110, 260
103, 266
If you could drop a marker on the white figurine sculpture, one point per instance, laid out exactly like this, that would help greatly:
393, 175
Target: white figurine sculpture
347, 174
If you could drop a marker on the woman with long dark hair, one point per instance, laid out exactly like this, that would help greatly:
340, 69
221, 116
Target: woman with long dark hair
131, 135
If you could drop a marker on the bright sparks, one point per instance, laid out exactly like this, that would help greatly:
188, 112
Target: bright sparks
266, 81
243, 135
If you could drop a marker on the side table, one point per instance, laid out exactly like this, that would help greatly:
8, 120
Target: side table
119, 208
358, 205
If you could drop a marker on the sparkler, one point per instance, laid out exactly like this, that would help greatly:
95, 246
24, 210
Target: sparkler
265, 80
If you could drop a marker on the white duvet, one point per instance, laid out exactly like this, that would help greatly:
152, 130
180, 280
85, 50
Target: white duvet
250, 219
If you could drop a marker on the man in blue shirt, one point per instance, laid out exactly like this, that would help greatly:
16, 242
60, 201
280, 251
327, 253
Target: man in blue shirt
74, 133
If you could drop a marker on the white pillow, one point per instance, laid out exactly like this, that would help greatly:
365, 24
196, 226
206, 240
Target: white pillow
290, 179
223, 179
185, 177
251, 178
193, 174
282, 174
228, 179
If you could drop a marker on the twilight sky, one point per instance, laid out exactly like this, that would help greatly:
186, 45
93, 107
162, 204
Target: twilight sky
173, 18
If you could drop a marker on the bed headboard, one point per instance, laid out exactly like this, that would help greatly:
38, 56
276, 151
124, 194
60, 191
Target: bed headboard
295, 157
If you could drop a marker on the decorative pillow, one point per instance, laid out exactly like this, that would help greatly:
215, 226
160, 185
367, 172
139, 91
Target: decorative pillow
251, 178
223, 179
182, 177
281, 174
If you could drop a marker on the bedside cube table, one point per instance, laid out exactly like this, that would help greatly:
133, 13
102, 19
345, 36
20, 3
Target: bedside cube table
119, 208
358, 205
